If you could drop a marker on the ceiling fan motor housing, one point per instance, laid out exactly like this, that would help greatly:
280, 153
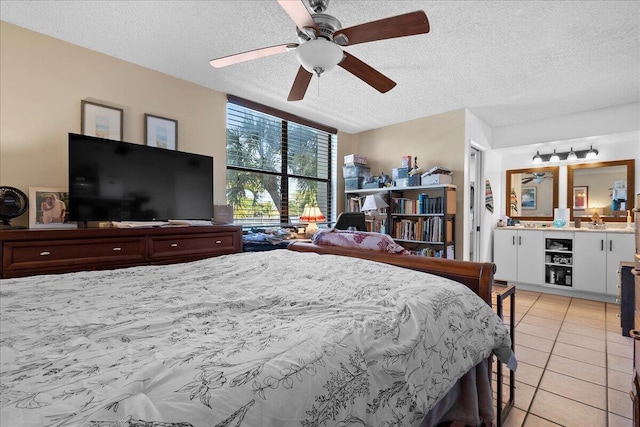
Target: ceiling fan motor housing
327, 25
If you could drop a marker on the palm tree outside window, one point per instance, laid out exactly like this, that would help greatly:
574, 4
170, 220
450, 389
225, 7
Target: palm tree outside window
276, 165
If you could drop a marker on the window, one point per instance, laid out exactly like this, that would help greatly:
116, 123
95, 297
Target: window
276, 164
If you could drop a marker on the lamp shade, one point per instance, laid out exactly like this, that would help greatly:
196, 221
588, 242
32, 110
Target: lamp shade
312, 214
373, 203
318, 56
537, 159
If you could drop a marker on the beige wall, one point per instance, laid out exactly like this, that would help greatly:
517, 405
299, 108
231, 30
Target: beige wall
43, 80
436, 140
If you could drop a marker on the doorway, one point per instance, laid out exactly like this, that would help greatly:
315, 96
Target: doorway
476, 205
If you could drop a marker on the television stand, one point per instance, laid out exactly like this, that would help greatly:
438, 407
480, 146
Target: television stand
32, 252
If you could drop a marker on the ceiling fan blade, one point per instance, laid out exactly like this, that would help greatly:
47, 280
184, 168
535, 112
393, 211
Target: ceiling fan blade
252, 54
408, 24
366, 73
527, 180
300, 85
299, 14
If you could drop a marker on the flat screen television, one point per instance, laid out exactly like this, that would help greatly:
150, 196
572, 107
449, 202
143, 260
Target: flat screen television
120, 181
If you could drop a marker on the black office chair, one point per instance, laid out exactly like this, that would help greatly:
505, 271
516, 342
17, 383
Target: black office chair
351, 219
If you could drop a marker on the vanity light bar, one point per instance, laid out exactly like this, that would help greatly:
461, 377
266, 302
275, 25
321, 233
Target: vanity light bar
589, 154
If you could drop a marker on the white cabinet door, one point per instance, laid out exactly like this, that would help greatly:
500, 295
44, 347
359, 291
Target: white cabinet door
620, 247
518, 255
530, 257
505, 254
590, 260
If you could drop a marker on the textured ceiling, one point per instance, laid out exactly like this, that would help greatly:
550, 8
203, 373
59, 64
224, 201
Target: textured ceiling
508, 62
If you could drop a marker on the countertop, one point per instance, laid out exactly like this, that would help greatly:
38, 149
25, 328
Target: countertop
608, 228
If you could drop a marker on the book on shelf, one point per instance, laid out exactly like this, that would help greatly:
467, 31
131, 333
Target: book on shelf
354, 204
377, 226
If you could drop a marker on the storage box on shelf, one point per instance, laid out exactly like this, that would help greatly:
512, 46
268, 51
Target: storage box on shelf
355, 159
355, 170
421, 218
354, 176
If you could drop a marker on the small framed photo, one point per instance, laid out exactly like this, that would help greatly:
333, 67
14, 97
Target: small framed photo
160, 132
580, 198
528, 198
101, 121
48, 208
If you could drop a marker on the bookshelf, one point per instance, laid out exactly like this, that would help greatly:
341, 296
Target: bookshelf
420, 218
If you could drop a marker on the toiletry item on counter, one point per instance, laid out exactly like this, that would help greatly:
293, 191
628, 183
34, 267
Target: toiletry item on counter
629, 221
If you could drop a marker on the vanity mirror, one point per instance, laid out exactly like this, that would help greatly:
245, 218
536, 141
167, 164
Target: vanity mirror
531, 194
603, 187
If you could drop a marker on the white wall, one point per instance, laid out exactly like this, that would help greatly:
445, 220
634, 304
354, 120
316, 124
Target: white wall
606, 121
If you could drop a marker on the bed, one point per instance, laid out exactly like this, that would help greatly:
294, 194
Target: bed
311, 336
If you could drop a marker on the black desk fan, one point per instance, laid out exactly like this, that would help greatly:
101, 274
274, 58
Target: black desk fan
13, 203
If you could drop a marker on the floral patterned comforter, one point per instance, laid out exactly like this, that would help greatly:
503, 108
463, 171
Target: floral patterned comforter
272, 338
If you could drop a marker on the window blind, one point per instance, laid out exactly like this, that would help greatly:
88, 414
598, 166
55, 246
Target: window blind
276, 165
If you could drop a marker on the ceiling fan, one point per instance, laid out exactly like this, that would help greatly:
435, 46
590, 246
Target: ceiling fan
321, 41
538, 177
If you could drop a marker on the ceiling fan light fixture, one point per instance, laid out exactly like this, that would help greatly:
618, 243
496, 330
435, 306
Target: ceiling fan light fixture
318, 56
537, 159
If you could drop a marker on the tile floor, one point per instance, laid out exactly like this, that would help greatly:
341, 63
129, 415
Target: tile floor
575, 367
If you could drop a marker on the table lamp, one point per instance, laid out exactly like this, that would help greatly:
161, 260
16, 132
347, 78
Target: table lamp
371, 205
311, 215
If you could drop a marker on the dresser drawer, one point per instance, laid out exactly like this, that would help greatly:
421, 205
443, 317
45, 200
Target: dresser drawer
39, 257
194, 246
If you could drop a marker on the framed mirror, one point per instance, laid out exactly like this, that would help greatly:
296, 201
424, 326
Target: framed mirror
531, 194
603, 187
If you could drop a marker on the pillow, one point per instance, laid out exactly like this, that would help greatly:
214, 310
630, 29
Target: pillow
358, 239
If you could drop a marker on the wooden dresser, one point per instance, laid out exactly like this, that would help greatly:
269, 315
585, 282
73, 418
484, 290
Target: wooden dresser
31, 252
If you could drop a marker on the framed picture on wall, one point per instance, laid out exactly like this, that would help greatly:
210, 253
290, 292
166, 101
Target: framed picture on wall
101, 120
160, 132
48, 208
528, 199
580, 198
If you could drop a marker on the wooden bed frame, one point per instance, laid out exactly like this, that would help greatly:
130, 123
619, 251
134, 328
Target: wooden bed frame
475, 275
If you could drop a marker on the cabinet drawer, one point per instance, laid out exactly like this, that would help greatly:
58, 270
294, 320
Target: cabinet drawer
192, 246
38, 257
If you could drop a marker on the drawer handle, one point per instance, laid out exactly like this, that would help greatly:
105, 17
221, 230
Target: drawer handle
635, 334
117, 249
218, 242
45, 253
618, 315
174, 245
